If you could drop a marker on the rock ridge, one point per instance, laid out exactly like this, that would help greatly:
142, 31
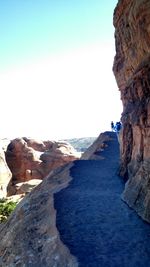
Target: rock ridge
29, 237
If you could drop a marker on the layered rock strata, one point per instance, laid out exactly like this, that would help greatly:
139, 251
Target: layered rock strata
132, 72
29, 237
30, 159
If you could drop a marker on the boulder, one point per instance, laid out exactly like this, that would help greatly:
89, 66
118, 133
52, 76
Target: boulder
30, 159
132, 72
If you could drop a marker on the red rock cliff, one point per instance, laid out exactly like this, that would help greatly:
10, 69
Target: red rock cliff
132, 72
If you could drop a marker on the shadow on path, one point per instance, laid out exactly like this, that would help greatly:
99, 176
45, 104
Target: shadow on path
93, 221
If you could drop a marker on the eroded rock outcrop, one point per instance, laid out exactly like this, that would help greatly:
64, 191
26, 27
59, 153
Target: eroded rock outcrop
132, 72
5, 173
31, 159
98, 145
29, 237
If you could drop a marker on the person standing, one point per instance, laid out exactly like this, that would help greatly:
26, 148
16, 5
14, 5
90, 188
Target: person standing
118, 126
112, 126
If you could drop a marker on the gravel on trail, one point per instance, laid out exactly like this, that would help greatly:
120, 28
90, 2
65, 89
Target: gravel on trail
94, 223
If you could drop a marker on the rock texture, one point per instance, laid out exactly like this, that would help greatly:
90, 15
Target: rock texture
98, 145
26, 187
30, 238
5, 173
31, 159
132, 72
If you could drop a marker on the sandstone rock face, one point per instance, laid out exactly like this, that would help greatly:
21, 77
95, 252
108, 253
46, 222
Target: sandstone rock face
30, 238
31, 159
98, 145
26, 187
132, 72
5, 174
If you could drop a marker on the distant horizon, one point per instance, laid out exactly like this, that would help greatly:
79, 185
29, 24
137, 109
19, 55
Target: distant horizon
53, 139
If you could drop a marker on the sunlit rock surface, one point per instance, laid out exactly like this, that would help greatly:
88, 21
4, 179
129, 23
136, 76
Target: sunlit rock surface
30, 159
5, 173
30, 238
132, 72
98, 145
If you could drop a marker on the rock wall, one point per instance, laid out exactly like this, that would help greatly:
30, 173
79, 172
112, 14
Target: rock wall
132, 72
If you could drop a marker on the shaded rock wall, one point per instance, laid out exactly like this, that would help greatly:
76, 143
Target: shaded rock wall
132, 72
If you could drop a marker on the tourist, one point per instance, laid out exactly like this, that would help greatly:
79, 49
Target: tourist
118, 127
112, 126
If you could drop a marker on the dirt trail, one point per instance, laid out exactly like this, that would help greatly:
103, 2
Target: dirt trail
93, 221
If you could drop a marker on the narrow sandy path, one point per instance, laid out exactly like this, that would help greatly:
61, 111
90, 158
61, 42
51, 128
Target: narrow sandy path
93, 221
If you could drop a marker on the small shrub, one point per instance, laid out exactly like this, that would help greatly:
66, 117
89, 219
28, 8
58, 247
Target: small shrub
6, 207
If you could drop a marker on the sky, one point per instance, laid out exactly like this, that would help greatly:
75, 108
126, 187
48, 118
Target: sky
56, 76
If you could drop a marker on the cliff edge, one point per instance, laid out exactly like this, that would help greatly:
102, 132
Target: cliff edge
30, 237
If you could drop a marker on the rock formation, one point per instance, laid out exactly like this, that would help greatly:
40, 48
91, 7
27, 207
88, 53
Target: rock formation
97, 146
29, 237
132, 72
5, 173
31, 159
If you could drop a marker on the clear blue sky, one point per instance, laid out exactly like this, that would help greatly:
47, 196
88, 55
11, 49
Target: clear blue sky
56, 60
33, 28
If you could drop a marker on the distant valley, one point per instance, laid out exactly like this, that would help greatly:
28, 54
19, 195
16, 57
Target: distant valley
81, 144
